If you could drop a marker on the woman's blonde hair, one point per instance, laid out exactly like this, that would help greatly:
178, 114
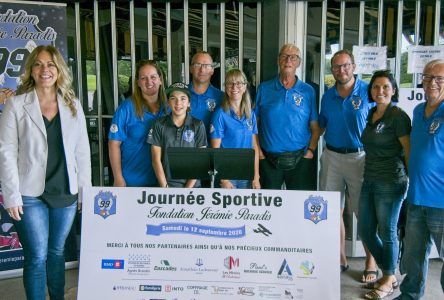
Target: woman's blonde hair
137, 97
236, 75
64, 79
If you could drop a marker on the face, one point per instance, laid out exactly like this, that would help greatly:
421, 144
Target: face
201, 68
289, 60
179, 103
44, 71
235, 88
149, 81
342, 69
432, 88
382, 90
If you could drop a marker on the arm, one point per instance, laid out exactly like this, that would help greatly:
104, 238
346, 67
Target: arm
315, 133
116, 162
405, 143
257, 150
260, 153
156, 154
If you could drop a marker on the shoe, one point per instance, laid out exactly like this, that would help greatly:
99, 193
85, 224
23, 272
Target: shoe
378, 294
344, 268
375, 284
367, 273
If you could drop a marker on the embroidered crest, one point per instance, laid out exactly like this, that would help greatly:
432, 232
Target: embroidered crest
211, 104
105, 204
188, 136
356, 102
380, 128
212, 128
315, 209
297, 99
434, 126
250, 124
114, 128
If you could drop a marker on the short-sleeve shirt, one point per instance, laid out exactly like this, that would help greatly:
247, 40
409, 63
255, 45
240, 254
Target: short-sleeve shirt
203, 105
384, 155
165, 134
132, 131
426, 171
344, 120
233, 131
285, 115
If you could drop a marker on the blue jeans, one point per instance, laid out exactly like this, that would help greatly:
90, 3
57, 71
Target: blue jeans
379, 207
423, 224
241, 184
42, 232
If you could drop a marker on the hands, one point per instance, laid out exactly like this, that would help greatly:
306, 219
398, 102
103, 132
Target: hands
119, 182
15, 212
5, 93
226, 184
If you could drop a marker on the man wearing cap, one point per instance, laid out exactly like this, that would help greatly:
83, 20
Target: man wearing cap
205, 98
177, 129
288, 126
343, 116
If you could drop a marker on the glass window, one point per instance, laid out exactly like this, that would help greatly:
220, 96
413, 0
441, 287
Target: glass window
231, 35
250, 39
332, 38
313, 47
177, 43
159, 37
408, 39
213, 19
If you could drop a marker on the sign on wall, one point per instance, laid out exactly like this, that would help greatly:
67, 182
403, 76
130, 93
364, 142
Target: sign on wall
209, 244
419, 56
369, 59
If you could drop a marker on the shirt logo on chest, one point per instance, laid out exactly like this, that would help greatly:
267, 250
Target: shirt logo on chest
250, 124
297, 99
188, 135
434, 126
211, 104
356, 102
380, 128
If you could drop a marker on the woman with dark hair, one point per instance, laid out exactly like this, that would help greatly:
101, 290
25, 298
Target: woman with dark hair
386, 140
233, 125
129, 153
44, 120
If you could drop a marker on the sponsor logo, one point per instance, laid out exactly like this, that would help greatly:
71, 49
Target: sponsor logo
231, 263
315, 209
288, 295
307, 267
150, 288
113, 263
165, 266
197, 288
246, 291
262, 229
138, 264
124, 288
171, 288
222, 290
105, 204
285, 271
255, 268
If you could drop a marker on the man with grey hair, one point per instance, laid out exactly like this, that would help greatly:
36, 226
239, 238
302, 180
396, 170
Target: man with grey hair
425, 215
288, 126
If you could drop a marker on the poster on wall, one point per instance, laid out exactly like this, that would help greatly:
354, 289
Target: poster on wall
369, 59
24, 25
419, 56
209, 244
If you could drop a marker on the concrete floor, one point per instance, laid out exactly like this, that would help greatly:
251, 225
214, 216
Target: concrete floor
351, 288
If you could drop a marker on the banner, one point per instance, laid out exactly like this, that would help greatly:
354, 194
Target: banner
409, 98
171, 243
23, 26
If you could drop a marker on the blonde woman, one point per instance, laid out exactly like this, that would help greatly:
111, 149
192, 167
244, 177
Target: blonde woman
44, 120
233, 125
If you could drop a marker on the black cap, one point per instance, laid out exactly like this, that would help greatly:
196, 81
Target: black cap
178, 86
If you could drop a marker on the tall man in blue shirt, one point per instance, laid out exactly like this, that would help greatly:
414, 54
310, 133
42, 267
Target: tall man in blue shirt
344, 110
205, 98
425, 216
288, 126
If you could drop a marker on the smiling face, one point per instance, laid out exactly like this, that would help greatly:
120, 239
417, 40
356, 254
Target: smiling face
235, 87
432, 88
289, 60
179, 103
149, 81
201, 68
44, 71
382, 90
342, 69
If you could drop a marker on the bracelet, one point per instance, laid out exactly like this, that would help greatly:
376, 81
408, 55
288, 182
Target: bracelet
312, 151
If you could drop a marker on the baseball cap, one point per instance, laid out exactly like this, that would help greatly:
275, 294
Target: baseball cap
178, 86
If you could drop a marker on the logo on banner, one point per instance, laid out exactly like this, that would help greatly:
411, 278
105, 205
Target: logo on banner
285, 271
230, 262
165, 266
105, 204
150, 288
246, 291
113, 264
315, 209
307, 267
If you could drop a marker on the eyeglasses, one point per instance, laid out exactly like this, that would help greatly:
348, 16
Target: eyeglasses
292, 57
203, 66
429, 78
235, 84
346, 67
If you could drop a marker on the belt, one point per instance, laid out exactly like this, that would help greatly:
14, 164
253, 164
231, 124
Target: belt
344, 150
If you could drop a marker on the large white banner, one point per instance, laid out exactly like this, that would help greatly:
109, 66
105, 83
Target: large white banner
188, 244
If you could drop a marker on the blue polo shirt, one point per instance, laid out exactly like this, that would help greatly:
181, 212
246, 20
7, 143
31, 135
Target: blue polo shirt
203, 105
285, 115
345, 119
132, 131
426, 170
233, 131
